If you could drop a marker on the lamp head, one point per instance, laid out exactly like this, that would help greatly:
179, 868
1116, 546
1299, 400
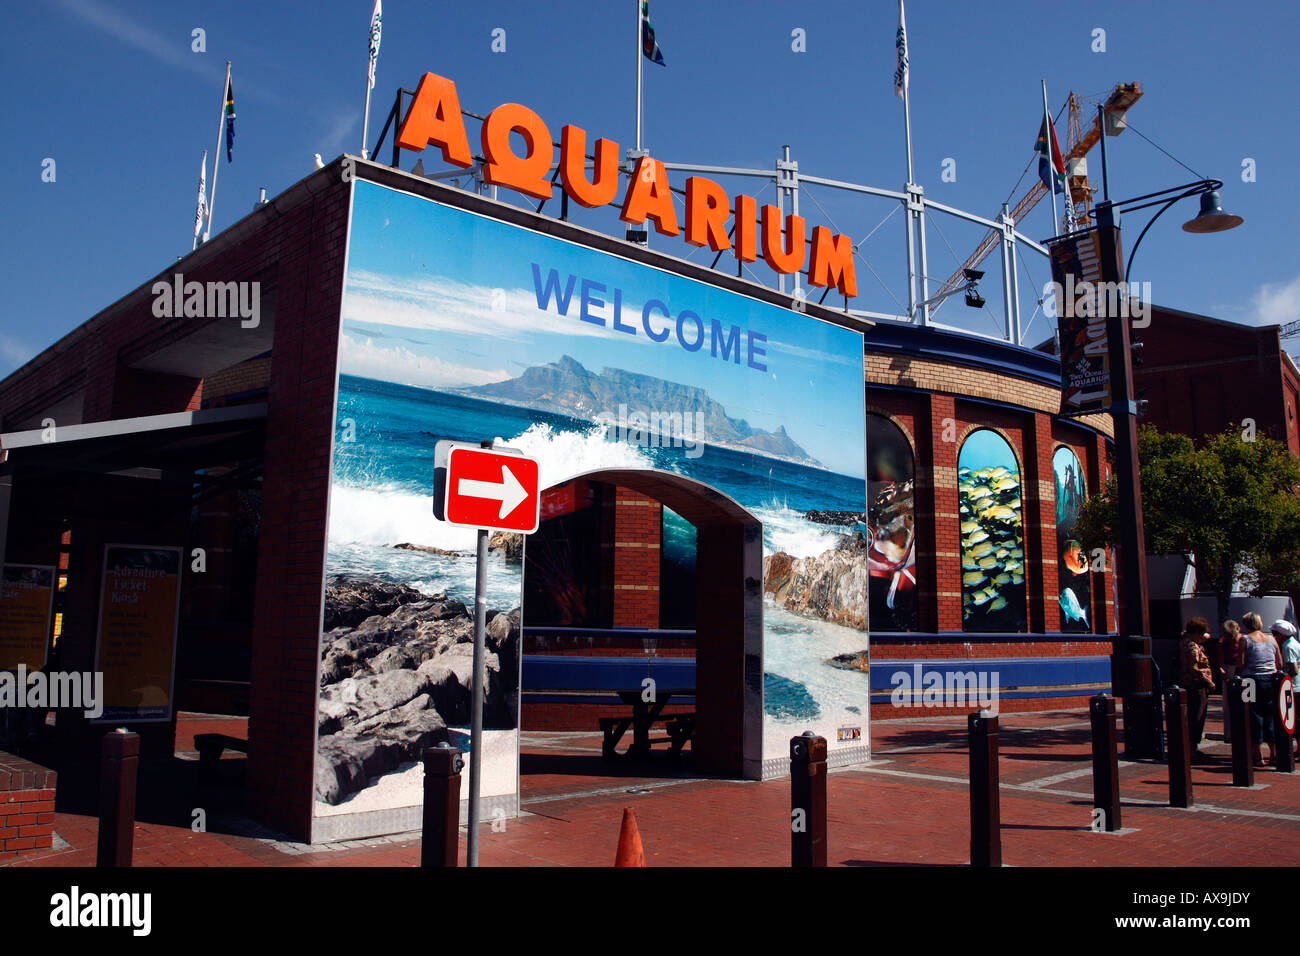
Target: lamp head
1212, 218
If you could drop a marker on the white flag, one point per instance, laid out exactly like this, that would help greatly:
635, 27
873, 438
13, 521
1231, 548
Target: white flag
201, 212
900, 60
376, 29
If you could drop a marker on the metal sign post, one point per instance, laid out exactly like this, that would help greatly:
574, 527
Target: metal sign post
476, 704
488, 489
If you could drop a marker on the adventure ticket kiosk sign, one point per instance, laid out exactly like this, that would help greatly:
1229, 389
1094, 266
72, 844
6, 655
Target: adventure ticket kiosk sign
487, 488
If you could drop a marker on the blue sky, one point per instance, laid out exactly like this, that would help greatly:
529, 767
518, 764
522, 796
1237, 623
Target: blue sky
441, 298
114, 94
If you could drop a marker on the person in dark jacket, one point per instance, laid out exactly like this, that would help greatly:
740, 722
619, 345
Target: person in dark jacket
1195, 676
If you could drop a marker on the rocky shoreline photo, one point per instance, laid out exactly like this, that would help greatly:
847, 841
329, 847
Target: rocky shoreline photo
396, 671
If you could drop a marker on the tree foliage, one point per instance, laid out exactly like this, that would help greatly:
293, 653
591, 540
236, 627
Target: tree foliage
1230, 506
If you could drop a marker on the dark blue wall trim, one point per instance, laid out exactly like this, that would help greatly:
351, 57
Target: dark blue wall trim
564, 672
960, 349
1012, 673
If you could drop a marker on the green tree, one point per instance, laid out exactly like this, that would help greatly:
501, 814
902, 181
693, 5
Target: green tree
1229, 506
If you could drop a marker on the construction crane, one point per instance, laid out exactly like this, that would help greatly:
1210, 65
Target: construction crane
1078, 143
1290, 330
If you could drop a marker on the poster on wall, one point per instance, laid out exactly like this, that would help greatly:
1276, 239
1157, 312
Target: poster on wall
993, 593
458, 326
136, 651
891, 527
1074, 578
26, 602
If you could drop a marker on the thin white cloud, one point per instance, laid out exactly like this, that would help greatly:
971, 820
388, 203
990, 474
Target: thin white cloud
446, 305
14, 352
399, 364
1277, 303
174, 51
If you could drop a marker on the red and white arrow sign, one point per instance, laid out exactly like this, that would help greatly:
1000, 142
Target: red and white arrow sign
496, 489
508, 491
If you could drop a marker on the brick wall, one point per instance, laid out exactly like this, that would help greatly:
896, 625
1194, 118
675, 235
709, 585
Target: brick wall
638, 523
26, 805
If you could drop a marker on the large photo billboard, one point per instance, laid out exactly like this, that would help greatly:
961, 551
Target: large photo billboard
659, 409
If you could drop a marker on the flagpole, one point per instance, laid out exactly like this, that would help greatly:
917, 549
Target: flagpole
903, 62
639, 29
1050, 135
216, 157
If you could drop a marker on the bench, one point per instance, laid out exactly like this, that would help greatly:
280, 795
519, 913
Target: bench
210, 748
679, 727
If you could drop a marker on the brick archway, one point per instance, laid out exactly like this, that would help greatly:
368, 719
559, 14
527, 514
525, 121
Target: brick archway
728, 642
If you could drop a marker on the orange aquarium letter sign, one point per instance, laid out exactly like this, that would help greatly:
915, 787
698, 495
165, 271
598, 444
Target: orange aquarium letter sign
434, 117
746, 242
603, 185
789, 259
501, 166
832, 262
648, 197
706, 214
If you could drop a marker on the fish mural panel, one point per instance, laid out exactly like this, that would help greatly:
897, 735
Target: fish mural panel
1074, 584
891, 526
992, 543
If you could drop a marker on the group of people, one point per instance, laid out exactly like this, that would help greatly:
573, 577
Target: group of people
1246, 650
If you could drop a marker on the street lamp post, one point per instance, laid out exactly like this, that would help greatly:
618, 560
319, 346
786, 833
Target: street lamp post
1132, 666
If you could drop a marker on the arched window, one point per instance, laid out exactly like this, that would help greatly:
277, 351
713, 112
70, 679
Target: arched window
992, 545
1074, 583
891, 527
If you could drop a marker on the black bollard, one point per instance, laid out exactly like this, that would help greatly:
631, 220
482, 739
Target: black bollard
1105, 762
985, 802
1180, 749
118, 766
1243, 768
1283, 705
808, 800
440, 841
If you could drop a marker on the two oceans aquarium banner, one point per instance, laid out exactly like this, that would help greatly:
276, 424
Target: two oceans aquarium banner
459, 326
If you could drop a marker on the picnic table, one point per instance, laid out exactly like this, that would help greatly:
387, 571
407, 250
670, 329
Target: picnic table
645, 714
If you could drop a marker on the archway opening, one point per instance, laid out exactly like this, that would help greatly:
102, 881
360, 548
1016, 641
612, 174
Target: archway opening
642, 593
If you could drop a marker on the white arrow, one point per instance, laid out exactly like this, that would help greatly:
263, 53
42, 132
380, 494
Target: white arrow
509, 491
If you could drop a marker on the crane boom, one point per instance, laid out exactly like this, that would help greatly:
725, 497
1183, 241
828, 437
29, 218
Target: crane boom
1121, 98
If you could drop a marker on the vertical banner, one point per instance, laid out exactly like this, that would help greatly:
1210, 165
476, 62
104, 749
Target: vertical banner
1073, 569
1081, 324
139, 601
26, 602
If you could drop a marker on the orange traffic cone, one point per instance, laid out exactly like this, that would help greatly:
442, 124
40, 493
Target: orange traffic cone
630, 852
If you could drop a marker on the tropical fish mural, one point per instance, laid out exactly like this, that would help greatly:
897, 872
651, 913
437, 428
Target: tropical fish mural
1074, 582
891, 527
992, 543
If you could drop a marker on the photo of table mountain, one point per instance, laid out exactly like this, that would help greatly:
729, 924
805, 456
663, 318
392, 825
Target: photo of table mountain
567, 386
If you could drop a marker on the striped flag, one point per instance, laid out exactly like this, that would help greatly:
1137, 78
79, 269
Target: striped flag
1055, 179
376, 30
201, 212
649, 45
230, 119
900, 59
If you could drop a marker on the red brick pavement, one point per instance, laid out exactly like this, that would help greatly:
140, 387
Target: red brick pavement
910, 807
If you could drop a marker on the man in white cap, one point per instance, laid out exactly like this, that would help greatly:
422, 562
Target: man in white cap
1285, 632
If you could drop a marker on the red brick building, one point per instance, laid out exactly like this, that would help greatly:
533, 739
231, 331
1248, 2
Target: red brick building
1201, 375
214, 434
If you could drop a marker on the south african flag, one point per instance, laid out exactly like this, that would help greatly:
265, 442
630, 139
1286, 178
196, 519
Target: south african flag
230, 120
649, 46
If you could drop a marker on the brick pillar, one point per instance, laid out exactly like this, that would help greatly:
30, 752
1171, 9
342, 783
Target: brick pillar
638, 521
936, 518
292, 540
1038, 505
